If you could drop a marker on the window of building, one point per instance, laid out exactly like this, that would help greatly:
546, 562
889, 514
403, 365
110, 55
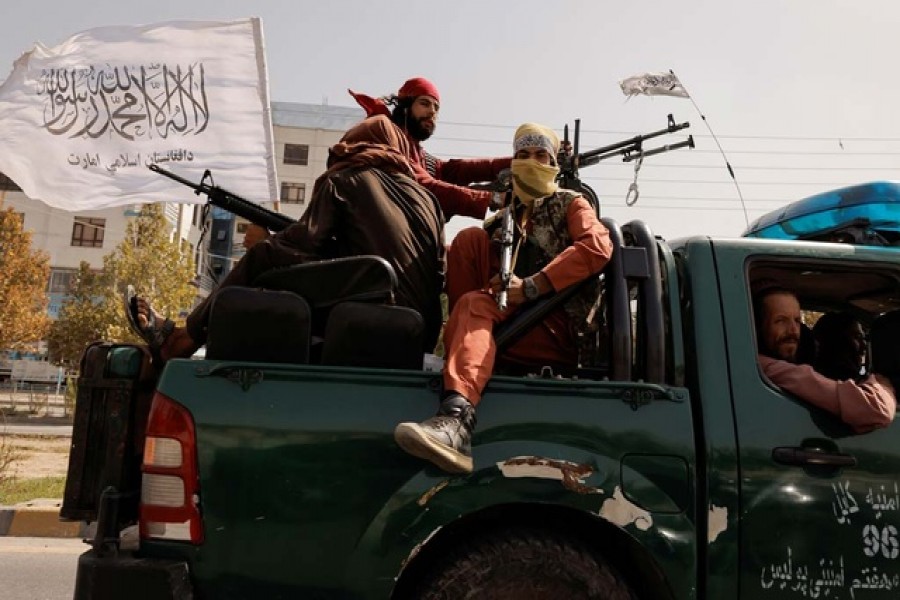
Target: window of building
296, 154
242, 226
8, 184
88, 231
61, 281
293, 193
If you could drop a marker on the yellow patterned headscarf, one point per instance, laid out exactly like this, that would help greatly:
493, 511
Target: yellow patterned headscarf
532, 179
533, 135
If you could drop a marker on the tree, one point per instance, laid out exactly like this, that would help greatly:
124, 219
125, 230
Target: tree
147, 258
23, 285
85, 316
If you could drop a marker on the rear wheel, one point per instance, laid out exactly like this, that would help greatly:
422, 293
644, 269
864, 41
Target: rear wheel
525, 564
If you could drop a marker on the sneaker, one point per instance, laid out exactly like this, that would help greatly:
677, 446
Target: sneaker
445, 439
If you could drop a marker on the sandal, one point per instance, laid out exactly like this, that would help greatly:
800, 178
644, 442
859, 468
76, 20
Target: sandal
155, 332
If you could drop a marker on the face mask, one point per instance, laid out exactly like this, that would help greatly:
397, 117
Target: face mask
532, 179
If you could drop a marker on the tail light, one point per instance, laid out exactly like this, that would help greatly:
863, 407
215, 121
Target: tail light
170, 484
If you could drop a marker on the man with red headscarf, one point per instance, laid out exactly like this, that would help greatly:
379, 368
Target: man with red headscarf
415, 109
365, 203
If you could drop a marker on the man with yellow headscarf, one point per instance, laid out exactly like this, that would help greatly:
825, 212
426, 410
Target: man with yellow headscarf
559, 241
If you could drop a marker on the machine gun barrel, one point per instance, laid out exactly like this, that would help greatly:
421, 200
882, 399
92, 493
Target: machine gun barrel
688, 143
253, 212
627, 147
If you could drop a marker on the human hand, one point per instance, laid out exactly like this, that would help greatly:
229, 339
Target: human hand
515, 293
498, 200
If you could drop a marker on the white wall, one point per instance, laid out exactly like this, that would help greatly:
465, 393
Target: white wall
319, 141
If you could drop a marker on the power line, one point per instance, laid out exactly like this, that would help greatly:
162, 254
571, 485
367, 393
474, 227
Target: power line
720, 182
703, 199
680, 207
694, 151
819, 138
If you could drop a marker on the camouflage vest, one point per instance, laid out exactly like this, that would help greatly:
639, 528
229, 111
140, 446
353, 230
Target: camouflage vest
549, 237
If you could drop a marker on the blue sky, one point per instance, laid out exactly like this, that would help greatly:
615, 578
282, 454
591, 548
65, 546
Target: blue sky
802, 94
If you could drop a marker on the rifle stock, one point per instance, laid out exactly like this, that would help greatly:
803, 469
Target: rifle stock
271, 220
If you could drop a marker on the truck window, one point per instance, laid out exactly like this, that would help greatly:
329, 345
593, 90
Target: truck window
788, 301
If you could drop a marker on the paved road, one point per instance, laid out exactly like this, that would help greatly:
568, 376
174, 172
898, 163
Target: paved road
51, 430
38, 568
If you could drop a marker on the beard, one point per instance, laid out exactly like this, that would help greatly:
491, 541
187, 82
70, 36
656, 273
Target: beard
786, 348
416, 129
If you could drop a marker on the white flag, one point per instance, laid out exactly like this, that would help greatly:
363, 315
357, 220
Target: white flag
80, 123
653, 84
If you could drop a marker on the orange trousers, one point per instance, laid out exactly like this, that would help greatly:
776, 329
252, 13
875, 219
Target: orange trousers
470, 352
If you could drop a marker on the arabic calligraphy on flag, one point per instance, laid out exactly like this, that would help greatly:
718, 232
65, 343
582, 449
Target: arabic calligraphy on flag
653, 84
81, 122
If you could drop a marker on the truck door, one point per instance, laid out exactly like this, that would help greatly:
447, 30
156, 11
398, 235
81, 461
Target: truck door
819, 504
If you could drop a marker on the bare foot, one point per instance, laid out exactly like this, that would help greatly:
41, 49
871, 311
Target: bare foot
144, 311
178, 344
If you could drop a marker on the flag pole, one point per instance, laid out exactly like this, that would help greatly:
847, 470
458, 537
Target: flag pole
721, 151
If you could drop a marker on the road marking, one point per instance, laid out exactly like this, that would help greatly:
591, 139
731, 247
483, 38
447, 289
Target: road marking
33, 550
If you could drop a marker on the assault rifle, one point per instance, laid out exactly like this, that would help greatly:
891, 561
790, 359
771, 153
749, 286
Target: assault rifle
271, 220
507, 229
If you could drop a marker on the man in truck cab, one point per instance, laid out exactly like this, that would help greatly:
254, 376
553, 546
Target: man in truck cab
566, 243
414, 108
840, 346
864, 405
367, 202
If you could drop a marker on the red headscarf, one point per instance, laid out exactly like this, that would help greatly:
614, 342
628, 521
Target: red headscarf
412, 88
418, 86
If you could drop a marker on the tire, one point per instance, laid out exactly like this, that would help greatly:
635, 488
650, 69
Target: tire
523, 564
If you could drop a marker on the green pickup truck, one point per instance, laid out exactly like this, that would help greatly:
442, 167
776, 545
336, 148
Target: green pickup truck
670, 468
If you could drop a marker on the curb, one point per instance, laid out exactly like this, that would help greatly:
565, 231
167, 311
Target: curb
39, 519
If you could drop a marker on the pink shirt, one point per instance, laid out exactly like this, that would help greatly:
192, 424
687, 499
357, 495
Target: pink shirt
864, 406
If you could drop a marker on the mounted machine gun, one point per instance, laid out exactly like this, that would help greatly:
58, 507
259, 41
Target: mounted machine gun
631, 149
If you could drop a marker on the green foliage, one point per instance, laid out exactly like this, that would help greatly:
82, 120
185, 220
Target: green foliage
13, 491
148, 259
23, 285
9, 454
70, 395
84, 317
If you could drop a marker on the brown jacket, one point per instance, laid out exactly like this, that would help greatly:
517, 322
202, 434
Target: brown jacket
367, 202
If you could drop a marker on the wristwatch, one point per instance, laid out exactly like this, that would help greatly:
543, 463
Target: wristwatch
530, 289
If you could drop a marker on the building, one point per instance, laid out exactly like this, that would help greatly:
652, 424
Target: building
69, 238
302, 134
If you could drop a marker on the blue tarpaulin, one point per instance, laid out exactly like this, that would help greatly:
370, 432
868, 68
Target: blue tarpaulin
875, 205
